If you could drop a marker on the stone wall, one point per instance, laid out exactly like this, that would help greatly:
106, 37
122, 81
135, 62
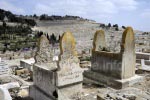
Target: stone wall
107, 63
44, 80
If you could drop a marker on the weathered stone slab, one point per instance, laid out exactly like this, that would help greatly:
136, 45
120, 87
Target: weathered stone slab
44, 53
38, 94
99, 78
128, 53
99, 42
70, 71
69, 77
44, 79
67, 45
44, 74
107, 63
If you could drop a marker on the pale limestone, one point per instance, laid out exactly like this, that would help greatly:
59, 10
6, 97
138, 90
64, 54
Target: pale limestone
109, 67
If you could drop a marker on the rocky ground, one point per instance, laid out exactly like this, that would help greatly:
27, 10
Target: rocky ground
139, 91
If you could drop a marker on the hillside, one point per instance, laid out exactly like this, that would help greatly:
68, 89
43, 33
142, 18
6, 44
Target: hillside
84, 32
10, 17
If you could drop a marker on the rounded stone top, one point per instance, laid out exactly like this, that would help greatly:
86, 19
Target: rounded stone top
99, 40
68, 44
128, 40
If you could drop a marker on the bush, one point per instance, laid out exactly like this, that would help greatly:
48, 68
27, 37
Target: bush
116, 29
109, 25
102, 25
123, 27
116, 25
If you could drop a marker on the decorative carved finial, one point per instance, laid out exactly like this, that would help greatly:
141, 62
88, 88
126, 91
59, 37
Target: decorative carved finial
44, 53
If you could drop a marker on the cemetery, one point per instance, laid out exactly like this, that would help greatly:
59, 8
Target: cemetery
71, 58
64, 79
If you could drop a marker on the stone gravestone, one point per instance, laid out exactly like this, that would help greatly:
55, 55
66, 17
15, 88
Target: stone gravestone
99, 42
56, 80
69, 74
43, 72
114, 69
128, 53
44, 55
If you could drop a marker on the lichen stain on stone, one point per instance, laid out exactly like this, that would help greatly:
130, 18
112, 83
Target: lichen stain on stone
127, 37
67, 44
99, 40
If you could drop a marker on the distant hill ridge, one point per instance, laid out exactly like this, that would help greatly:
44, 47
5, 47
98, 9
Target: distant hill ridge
31, 19
66, 17
15, 18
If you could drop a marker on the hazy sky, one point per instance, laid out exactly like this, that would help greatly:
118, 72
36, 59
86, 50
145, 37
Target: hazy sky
135, 13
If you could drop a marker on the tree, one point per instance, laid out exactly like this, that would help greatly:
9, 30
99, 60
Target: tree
116, 25
39, 33
109, 25
43, 17
117, 29
53, 39
4, 24
35, 16
102, 25
123, 27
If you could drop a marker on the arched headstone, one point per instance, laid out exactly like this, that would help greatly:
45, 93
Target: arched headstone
128, 43
114, 69
128, 53
70, 71
67, 45
99, 42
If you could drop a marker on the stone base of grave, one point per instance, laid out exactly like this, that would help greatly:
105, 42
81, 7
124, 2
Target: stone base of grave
52, 84
101, 79
62, 93
69, 92
38, 94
